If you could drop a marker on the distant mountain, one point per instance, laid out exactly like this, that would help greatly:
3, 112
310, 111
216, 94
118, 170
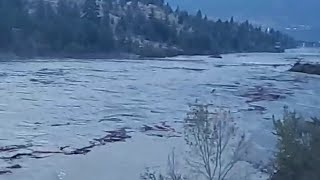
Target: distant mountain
297, 17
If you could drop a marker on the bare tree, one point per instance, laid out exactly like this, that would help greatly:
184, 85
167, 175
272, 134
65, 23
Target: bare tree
172, 172
173, 168
216, 146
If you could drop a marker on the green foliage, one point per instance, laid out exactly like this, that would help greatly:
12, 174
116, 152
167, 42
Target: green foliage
298, 156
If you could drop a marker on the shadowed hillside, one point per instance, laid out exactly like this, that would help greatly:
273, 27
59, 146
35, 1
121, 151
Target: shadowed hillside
143, 27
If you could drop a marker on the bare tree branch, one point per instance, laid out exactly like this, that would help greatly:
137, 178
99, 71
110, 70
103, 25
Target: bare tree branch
214, 141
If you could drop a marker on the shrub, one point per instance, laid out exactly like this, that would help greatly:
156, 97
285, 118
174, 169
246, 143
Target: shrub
298, 155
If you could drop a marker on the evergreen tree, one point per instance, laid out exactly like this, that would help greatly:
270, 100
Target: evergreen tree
106, 41
205, 18
199, 14
168, 8
177, 11
231, 20
91, 11
68, 27
62, 8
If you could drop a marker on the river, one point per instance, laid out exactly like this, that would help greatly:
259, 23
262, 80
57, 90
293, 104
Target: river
53, 103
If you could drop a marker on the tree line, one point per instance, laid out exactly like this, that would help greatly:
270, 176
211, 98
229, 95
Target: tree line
138, 26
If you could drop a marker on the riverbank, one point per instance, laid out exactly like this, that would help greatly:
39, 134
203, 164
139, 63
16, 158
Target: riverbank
306, 68
151, 53
115, 55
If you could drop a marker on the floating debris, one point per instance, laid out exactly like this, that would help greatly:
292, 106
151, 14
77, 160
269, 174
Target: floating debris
217, 56
16, 166
112, 136
260, 93
57, 125
18, 156
183, 68
257, 108
110, 120
5, 172
14, 147
160, 130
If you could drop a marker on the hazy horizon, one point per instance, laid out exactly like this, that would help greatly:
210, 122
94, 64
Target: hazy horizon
281, 14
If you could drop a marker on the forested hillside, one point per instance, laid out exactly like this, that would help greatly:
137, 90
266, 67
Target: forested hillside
144, 27
299, 18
